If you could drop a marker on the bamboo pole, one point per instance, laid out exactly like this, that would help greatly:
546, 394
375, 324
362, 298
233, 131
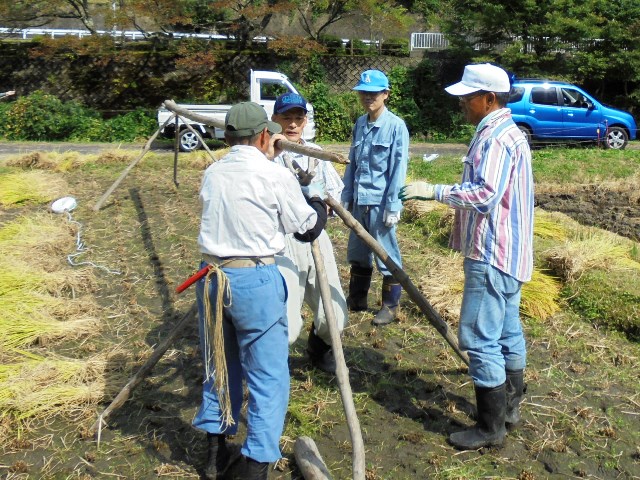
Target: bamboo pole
126, 171
342, 372
134, 381
281, 144
400, 275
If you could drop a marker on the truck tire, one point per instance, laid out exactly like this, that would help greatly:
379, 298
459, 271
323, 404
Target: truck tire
188, 141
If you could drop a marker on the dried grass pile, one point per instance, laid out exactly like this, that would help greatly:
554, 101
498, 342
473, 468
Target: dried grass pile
30, 187
36, 386
42, 301
67, 161
200, 159
590, 249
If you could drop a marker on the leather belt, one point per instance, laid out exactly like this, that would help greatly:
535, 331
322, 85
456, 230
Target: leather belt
238, 262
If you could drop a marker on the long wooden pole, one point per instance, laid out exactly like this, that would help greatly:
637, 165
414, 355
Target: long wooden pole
342, 372
134, 381
126, 171
400, 275
281, 144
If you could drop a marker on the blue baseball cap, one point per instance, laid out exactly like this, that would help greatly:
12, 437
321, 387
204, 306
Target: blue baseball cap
372, 81
288, 101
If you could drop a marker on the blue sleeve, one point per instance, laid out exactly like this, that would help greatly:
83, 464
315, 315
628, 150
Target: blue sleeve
398, 160
349, 171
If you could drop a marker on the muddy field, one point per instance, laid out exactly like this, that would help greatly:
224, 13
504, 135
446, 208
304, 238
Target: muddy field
581, 412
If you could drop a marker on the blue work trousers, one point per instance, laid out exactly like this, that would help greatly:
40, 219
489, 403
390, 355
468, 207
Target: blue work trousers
358, 253
490, 329
257, 349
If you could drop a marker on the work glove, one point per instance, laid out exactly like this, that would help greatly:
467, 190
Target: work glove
315, 189
390, 218
417, 191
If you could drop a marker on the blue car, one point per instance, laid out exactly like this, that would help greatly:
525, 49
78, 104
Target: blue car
558, 111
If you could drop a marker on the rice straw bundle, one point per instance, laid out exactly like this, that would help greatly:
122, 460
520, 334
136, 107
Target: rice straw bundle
30, 318
540, 296
17, 275
443, 286
41, 387
549, 226
29, 187
597, 249
42, 231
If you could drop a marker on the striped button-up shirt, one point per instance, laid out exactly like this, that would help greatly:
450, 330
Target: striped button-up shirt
494, 203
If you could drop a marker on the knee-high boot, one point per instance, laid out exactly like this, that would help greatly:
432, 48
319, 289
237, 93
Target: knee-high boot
359, 284
515, 388
489, 429
391, 291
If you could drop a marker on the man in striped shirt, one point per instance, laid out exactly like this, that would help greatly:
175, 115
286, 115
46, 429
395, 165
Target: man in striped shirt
493, 228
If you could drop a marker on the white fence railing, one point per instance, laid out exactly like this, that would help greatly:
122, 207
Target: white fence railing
428, 41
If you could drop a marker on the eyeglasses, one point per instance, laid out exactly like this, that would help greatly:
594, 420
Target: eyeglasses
471, 96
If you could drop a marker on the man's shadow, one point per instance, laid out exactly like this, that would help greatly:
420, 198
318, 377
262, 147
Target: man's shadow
164, 413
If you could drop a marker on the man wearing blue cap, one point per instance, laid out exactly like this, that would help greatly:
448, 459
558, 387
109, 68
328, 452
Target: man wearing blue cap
248, 205
379, 155
296, 261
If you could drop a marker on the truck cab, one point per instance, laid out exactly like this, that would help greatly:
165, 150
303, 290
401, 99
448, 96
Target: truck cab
264, 88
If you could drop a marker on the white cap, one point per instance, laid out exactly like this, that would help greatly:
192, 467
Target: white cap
482, 76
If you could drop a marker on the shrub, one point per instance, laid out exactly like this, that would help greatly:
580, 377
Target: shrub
132, 126
397, 47
332, 113
40, 116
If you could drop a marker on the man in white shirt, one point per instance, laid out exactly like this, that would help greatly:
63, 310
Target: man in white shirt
296, 262
249, 204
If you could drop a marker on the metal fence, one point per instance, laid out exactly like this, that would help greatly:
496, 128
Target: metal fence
428, 41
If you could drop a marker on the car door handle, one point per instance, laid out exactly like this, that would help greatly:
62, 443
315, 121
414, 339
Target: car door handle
569, 114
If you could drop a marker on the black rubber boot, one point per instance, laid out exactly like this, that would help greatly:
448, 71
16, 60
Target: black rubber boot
219, 456
320, 353
391, 291
248, 469
515, 389
489, 429
359, 284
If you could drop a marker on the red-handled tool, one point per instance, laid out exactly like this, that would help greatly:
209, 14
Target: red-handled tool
193, 279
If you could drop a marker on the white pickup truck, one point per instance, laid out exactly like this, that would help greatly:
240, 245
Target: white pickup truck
264, 88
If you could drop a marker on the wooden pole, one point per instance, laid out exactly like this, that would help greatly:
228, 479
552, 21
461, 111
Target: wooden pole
309, 460
400, 275
342, 372
126, 171
134, 381
281, 144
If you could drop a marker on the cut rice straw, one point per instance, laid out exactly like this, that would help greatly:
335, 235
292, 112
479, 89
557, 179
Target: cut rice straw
42, 231
600, 250
41, 387
30, 187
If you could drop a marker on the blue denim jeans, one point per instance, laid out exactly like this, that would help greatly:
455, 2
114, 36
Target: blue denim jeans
490, 329
257, 348
358, 253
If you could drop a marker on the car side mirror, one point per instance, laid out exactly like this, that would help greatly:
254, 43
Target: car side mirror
589, 105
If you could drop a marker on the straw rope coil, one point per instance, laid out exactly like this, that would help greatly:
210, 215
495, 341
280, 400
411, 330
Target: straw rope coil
214, 347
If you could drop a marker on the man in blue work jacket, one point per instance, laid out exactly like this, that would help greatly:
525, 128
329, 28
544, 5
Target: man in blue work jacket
379, 154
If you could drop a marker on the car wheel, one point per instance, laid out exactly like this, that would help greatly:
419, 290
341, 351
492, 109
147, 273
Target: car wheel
188, 141
526, 132
616, 138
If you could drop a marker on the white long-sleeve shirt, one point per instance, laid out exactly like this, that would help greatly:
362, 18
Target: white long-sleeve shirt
248, 204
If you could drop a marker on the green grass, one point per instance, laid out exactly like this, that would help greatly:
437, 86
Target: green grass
550, 165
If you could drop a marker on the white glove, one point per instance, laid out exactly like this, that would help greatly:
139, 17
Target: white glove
315, 189
417, 191
390, 218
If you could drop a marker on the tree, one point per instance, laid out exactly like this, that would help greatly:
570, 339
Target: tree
22, 14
